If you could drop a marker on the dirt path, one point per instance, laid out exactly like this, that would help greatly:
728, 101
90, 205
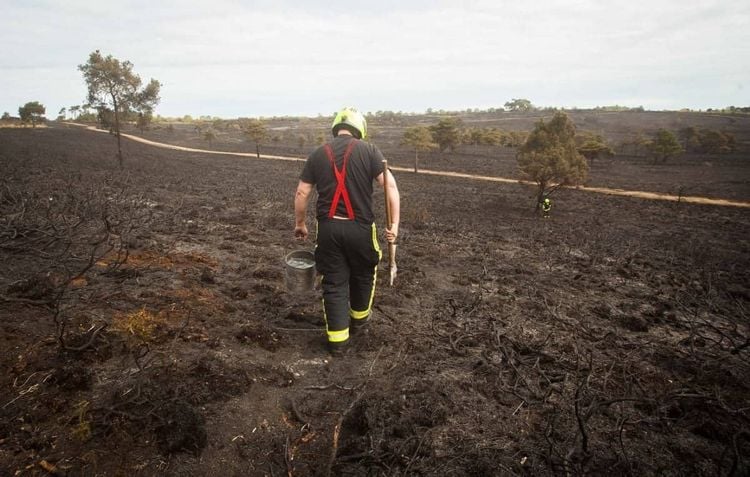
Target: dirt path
599, 190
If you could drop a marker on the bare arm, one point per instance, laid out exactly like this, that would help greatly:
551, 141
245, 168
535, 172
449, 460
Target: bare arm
301, 199
394, 200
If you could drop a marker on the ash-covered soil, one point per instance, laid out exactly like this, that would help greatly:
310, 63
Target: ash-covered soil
145, 328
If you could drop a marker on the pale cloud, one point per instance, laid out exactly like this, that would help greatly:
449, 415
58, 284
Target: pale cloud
245, 58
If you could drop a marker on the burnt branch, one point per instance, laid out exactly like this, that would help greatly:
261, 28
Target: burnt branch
56, 237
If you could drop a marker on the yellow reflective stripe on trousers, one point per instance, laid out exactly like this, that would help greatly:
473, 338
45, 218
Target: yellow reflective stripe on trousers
375, 245
360, 315
334, 336
338, 336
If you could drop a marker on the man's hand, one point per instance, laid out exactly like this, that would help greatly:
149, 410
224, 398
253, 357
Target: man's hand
301, 197
391, 234
300, 232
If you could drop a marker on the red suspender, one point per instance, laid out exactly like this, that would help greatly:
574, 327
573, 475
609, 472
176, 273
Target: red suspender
340, 180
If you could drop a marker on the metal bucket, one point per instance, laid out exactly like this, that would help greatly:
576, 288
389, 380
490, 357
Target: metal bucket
299, 271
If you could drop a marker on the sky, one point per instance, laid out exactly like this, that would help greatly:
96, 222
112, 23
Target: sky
232, 58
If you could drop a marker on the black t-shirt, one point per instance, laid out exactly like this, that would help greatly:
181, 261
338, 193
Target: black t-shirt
364, 165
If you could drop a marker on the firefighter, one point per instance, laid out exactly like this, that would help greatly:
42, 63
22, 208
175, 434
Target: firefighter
546, 207
347, 250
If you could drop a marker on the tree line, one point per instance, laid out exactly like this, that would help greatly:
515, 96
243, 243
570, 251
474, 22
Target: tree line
552, 154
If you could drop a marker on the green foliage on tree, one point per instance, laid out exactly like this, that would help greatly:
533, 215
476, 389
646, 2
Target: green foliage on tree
395, 118
446, 133
618, 108
420, 139
106, 119
690, 137
519, 104
112, 86
637, 143
6, 116
256, 131
74, 111
716, 142
593, 146
492, 137
87, 116
706, 141
550, 157
483, 136
664, 145
143, 120
32, 112
515, 138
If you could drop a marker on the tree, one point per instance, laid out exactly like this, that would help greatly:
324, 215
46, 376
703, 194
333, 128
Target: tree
493, 137
482, 136
550, 158
143, 120
446, 133
637, 142
210, 136
519, 104
6, 116
664, 145
61, 114
690, 136
74, 111
515, 138
593, 147
33, 112
113, 86
106, 119
419, 138
256, 131
711, 141
86, 115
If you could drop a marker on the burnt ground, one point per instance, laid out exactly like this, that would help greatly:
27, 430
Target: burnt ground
723, 176
145, 327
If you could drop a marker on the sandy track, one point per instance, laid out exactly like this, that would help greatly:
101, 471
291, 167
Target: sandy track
598, 190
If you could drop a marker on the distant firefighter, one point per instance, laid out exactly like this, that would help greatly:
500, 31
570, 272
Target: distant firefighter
546, 207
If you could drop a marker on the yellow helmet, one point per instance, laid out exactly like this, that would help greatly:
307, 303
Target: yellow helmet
352, 120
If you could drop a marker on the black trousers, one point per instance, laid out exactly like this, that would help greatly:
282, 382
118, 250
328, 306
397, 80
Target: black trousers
347, 256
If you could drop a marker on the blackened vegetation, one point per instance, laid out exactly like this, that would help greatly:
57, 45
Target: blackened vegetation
144, 328
60, 232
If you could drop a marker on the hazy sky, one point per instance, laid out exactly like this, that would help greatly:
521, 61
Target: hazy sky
262, 58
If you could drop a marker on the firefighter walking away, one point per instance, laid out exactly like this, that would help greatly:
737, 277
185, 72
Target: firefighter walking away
347, 252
